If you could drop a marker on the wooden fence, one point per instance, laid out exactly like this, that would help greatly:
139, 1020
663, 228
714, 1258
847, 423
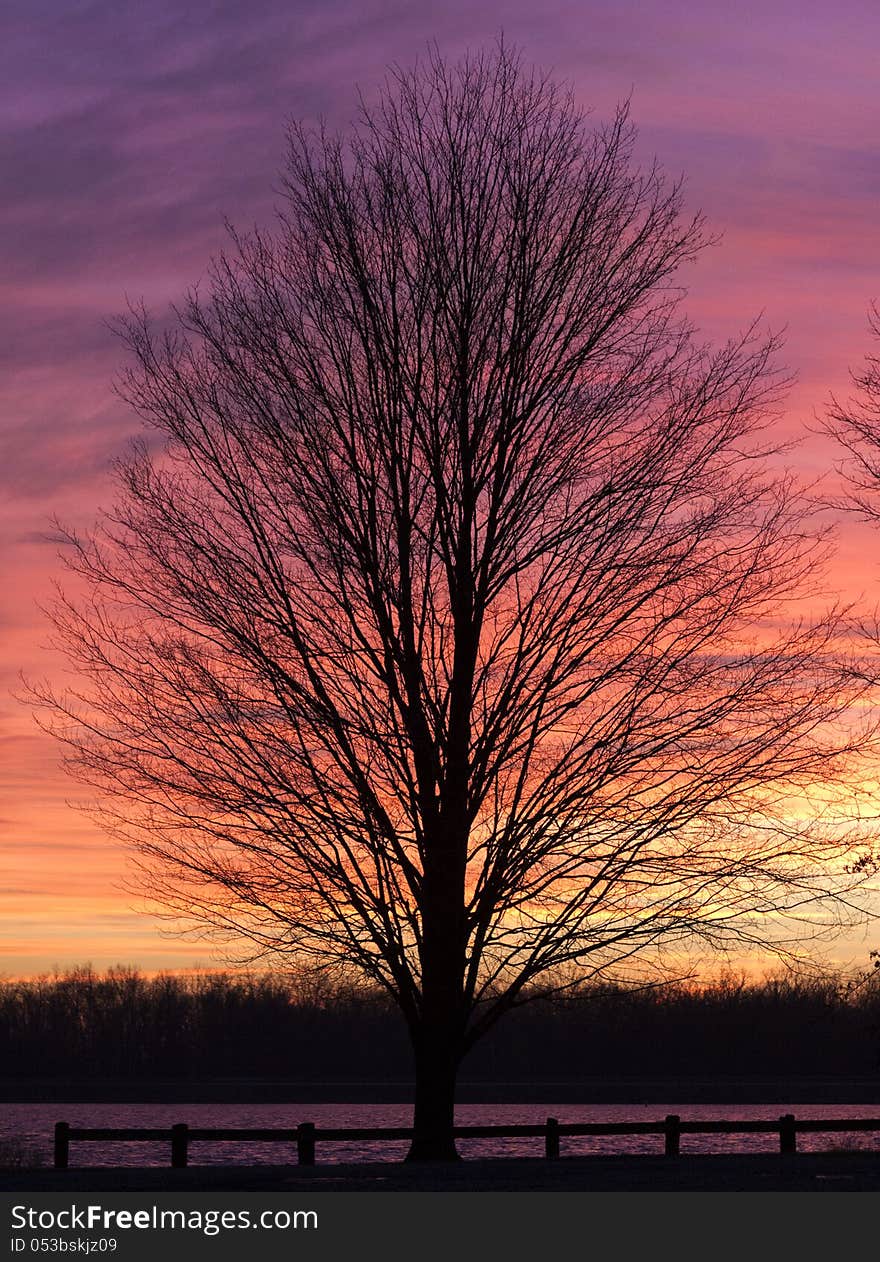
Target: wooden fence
306, 1136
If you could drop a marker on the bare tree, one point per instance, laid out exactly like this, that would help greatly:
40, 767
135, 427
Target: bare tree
447, 636
856, 424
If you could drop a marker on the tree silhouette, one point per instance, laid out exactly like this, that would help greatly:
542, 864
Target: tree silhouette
856, 424
443, 634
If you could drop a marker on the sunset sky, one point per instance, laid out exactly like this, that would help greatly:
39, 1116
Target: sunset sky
128, 132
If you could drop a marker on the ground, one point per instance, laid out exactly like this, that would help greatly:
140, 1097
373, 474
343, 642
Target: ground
756, 1172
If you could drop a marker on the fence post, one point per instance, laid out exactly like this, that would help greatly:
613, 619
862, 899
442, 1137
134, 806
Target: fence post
62, 1145
179, 1145
672, 1134
305, 1143
787, 1134
551, 1139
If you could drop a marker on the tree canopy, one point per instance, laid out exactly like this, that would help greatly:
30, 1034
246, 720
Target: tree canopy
446, 627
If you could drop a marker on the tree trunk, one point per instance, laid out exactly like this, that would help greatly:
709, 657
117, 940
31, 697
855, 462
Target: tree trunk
438, 1033
436, 1065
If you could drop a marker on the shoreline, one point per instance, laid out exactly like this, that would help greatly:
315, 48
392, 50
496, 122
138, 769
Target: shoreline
757, 1089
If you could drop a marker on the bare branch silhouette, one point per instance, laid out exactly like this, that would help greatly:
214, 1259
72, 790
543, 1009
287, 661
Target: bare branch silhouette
450, 638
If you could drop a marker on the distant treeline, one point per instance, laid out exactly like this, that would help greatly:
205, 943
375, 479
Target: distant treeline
123, 1024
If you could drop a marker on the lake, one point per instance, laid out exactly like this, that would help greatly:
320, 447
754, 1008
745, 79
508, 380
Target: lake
33, 1124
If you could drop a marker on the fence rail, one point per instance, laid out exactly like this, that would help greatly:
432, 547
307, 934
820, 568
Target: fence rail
306, 1136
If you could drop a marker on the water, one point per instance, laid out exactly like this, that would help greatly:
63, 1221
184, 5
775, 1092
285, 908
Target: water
32, 1125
